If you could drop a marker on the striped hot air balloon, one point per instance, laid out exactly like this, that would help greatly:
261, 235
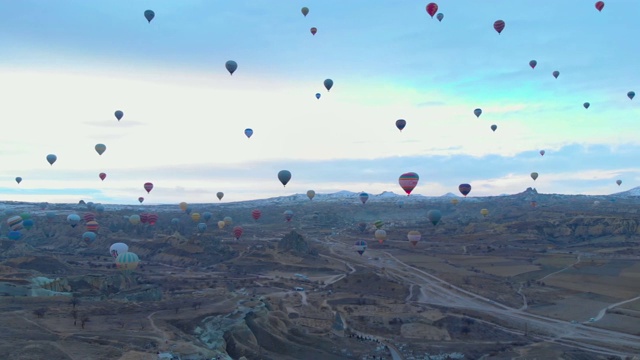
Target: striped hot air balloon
414, 236
464, 189
255, 214
237, 232
360, 246
92, 226
15, 222
408, 182
152, 219
127, 261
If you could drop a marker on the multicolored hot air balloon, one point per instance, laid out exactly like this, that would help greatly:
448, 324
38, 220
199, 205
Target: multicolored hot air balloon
119, 114
360, 246
152, 219
432, 9
183, 206
89, 237
149, 15
533, 64
231, 66
313, 30
228, 220
401, 123
328, 84
195, 217
408, 181
464, 189
140, 199
92, 226
363, 196
600, 5
380, 235
117, 249
288, 215
127, 262
100, 148
414, 236
237, 232
248, 132
498, 26
378, 224
73, 219
311, 194
148, 187
51, 158
15, 223
102, 176
284, 176
135, 219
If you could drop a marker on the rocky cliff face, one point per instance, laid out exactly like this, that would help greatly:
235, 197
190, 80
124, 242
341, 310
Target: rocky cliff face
295, 243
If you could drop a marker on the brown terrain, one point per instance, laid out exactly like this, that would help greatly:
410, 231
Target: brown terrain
557, 281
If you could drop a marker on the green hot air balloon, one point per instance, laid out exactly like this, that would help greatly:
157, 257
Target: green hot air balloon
434, 216
284, 176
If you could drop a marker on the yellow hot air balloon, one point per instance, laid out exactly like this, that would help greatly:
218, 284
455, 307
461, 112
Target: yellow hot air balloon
454, 201
227, 220
183, 206
484, 212
311, 194
380, 235
195, 217
414, 236
221, 224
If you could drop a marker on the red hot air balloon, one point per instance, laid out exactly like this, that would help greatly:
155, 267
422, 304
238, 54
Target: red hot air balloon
148, 186
432, 9
237, 232
313, 31
255, 214
102, 176
144, 218
499, 26
92, 226
152, 219
89, 217
408, 181
464, 189
600, 5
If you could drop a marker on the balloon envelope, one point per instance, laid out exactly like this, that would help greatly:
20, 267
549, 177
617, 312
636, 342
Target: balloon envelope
100, 148
328, 84
119, 114
556, 74
477, 112
305, 11
284, 176
464, 189
440, 16
51, 158
400, 124
117, 249
600, 5
148, 187
408, 181
102, 176
231, 66
18, 179
631, 95
149, 15
248, 132
533, 64
432, 8
219, 195
498, 26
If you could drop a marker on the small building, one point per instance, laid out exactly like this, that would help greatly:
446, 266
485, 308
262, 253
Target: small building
298, 288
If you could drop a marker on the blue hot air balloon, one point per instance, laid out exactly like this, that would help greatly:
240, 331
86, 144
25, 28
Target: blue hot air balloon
248, 132
318, 96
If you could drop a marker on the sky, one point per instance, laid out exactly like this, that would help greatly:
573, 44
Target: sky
66, 66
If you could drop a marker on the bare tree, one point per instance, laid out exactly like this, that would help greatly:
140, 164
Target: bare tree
74, 302
74, 314
85, 319
40, 312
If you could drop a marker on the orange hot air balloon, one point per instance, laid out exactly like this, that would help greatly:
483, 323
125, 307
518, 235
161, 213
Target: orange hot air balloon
408, 182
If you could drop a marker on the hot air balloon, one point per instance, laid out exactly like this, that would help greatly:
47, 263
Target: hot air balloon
92, 226
284, 176
227, 220
477, 112
619, 182
175, 222
534, 175
119, 114
135, 219
28, 223
363, 197
542, 152
400, 124
318, 95
455, 201
100, 148
380, 235
14, 235
432, 9
148, 187
255, 214
183, 206
408, 182
328, 84
88, 217
248, 132
494, 127
202, 227
152, 219
15, 222
434, 216
102, 176
414, 236
127, 262
498, 25
586, 105
73, 219
89, 237
149, 15
237, 232
140, 199
311, 194
288, 215
51, 158
362, 226
100, 208
117, 249
206, 216
313, 31
221, 224
360, 246
195, 217
631, 95
484, 212
464, 189
533, 64
18, 179
600, 5
231, 66
556, 74
305, 11
440, 16
378, 224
